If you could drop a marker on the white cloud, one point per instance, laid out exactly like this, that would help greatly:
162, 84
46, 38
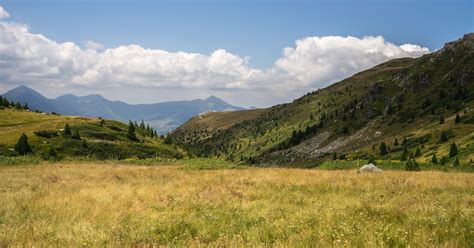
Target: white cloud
27, 58
95, 46
3, 14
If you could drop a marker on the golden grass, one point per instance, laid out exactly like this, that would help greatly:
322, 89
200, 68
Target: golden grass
118, 205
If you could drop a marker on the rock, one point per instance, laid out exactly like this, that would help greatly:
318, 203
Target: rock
370, 168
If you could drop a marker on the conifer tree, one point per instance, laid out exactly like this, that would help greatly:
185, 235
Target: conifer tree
404, 155
383, 149
457, 119
131, 132
67, 130
441, 119
453, 150
22, 146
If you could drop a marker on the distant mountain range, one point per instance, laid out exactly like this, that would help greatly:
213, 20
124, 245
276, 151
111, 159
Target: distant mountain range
164, 116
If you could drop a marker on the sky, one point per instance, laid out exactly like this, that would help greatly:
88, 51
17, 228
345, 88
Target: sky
250, 53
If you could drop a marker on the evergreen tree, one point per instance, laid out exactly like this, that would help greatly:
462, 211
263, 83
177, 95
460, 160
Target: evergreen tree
404, 141
84, 144
434, 159
443, 137
334, 156
457, 119
453, 150
131, 132
67, 130
22, 146
404, 155
76, 135
441, 119
383, 149
396, 142
456, 162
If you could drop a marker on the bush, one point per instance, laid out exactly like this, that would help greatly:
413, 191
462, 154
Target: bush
412, 165
46, 133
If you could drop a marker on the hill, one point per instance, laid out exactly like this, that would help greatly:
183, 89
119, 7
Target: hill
99, 139
164, 116
398, 103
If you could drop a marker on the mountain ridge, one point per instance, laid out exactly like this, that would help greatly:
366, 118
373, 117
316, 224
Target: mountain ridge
163, 116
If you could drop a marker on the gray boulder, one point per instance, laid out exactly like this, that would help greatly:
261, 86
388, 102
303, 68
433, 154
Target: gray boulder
370, 168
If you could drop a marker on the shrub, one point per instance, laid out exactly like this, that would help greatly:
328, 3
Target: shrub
46, 133
412, 165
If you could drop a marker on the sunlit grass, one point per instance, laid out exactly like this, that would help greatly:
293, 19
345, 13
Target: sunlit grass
76, 204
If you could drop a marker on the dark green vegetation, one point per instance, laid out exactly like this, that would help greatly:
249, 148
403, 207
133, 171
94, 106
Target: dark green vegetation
427, 103
55, 137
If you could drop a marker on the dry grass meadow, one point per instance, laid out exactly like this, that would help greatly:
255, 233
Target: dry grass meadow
87, 204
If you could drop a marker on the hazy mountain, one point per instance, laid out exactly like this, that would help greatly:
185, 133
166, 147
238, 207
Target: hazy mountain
411, 105
164, 116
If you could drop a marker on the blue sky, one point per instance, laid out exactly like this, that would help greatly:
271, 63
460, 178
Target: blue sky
258, 30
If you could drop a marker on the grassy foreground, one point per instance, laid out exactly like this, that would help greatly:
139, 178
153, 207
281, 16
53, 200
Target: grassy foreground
81, 204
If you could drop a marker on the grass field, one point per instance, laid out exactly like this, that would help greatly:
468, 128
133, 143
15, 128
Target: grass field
106, 204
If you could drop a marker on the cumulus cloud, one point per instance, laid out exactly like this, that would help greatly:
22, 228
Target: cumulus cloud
28, 58
3, 14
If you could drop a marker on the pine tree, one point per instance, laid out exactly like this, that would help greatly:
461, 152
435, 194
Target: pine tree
84, 144
404, 155
396, 142
383, 149
131, 132
67, 130
453, 150
22, 146
434, 159
457, 119
441, 119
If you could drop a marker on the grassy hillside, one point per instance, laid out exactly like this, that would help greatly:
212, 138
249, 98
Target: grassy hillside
99, 139
402, 99
108, 205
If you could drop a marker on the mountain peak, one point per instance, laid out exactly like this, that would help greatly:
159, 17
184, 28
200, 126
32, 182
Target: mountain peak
213, 98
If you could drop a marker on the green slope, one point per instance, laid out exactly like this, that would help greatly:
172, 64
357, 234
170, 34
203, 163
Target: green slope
100, 139
400, 99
